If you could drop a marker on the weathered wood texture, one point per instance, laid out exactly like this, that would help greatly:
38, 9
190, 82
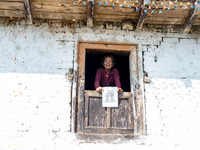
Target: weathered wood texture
113, 20
55, 11
100, 10
95, 113
12, 13
51, 9
12, 6
48, 7
141, 19
122, 117
108, 131
191, 18
197, 21
69, 16
80, 93
11, 0
90, 12
27, 7
164, 21
170, 14
12, 9
100, 120
114, 15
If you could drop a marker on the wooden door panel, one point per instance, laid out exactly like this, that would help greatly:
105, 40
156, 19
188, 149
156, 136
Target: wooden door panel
103, 120
122, 117
96, 113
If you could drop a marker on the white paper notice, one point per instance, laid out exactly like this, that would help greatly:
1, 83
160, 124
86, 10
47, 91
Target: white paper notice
109, 97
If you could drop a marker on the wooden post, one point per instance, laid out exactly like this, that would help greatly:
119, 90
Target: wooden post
142, 15
191, 18
108, 118
27, 6
90, 12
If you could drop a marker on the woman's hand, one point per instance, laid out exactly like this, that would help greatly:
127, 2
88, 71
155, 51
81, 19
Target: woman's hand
119, 90
99, 89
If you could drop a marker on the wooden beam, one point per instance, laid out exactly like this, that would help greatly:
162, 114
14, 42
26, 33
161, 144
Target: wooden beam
90, 12
191, 18
27, 6
64, 15
11, 6
142, 15
48, 7
12, 13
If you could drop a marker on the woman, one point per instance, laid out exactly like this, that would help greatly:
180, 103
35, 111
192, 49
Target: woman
107, 76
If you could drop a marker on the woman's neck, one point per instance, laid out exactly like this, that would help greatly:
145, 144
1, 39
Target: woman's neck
107, 70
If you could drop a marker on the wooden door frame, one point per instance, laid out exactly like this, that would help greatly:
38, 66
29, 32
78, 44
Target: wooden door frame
78, 110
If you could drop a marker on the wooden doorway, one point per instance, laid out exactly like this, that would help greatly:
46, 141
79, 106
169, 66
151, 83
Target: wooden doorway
91, 117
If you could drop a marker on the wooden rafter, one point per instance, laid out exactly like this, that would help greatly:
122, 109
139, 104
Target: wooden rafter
27, 6
191, 18
90, 12
142, 15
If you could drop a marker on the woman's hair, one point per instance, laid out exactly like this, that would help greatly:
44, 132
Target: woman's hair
113, 59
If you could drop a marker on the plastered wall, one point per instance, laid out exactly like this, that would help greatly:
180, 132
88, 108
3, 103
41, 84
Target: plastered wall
36, 69
172, 96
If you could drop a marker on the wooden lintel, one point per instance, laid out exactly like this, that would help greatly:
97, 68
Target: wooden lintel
142, 15
191, 18
90, 12
27, 6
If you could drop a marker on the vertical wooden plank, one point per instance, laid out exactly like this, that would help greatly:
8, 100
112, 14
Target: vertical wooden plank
74, 103
108, 119
27, 6
90, 12
80, 117
74, 89
133, 76
131, 116
81, 82
86, 110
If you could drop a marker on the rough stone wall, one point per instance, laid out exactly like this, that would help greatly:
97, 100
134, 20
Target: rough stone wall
36, 65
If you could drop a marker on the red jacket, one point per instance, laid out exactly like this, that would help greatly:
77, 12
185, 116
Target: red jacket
113, 80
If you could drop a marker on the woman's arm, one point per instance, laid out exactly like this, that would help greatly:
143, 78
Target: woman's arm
97, 79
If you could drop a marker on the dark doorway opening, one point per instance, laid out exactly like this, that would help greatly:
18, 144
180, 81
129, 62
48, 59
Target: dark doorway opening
93, 62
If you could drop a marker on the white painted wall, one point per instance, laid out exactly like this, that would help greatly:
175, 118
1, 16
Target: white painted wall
172, 97
35, 93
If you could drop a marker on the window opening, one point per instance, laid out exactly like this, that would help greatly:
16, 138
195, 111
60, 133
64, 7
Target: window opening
93, 62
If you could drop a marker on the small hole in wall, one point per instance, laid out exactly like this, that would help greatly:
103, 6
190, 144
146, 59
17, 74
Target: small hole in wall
155, 59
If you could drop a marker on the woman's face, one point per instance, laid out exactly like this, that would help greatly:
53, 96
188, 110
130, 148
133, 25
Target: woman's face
108, 63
